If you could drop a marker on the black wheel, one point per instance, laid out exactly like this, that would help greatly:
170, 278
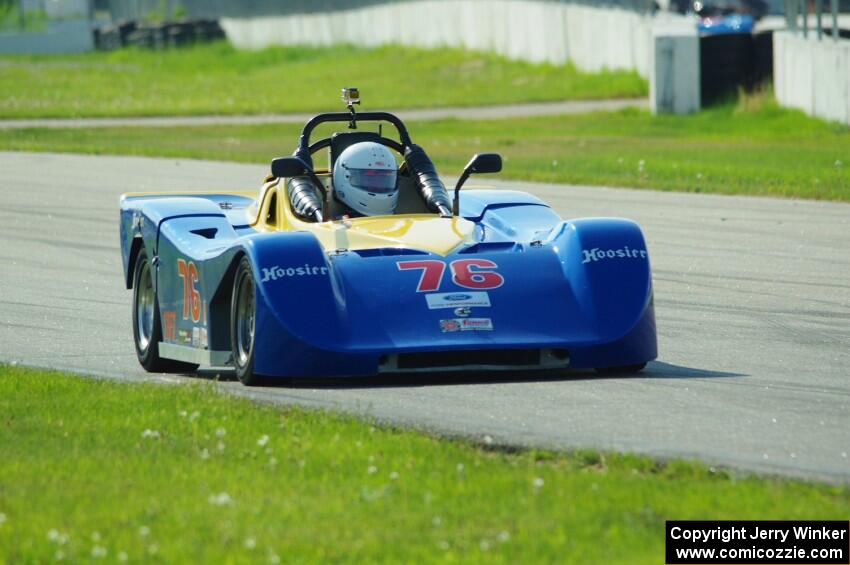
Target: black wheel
243, 309
624, 370
147, 332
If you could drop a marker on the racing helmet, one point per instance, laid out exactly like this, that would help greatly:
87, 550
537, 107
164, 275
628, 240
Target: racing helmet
365, 179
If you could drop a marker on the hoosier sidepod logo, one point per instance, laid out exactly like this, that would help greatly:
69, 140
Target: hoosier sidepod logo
625, 252
277, 272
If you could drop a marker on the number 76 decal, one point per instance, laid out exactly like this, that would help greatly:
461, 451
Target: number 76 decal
468, 273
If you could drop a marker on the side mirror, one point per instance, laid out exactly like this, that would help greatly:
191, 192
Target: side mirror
480, 163
289, 167
484, 163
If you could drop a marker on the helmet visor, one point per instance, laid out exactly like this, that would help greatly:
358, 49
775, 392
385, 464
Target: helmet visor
373, 180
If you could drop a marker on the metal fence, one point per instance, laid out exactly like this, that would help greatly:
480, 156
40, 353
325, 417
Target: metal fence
818, 18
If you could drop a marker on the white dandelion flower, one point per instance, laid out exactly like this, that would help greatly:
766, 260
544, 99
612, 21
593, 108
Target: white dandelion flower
144, 531
2, 518
205, 453
122, 556
150, 433
372, 469
220, 432
250, 543
220, 446
98, 551
52, 535
538, 482
504, 536
459, 467
393, 476
220, 499
153, 549
59, 555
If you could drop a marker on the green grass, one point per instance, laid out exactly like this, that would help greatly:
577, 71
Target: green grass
218, 79
732, 149
186, 474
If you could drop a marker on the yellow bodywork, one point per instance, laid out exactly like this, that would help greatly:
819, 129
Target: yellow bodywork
272, 212
428, 232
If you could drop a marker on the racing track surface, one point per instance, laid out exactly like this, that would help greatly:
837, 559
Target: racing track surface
752, 298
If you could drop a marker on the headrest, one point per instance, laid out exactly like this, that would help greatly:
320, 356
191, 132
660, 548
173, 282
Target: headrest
342, 141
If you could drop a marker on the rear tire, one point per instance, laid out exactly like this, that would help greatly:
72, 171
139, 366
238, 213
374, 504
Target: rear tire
243, 310
147, 330
624, 370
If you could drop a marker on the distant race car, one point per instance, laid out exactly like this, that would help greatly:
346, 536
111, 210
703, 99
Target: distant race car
281, 284
725, 24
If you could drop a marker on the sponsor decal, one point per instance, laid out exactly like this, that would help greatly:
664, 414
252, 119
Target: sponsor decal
196, 336
457, 300
169, 322
466, 325
204, 339
474, 274
463, 312
596, 254
277, 272
184, 336
191, 297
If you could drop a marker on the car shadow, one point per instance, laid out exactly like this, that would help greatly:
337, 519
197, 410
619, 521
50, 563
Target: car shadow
653, 370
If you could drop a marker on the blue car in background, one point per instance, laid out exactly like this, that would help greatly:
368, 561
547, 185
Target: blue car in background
729, 23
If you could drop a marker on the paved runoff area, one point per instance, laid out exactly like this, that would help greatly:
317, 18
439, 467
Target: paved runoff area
752, 298
420, 114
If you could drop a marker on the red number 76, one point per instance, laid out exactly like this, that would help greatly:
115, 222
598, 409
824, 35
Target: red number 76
468, 273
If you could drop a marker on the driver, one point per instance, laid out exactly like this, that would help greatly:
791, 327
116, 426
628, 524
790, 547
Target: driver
364, 179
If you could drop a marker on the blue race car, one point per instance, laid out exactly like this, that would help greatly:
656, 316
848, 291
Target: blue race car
291, 283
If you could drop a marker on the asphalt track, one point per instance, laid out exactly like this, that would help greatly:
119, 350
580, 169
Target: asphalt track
752, 298
528, 109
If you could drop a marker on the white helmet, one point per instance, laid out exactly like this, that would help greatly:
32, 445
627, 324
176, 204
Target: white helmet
365, 179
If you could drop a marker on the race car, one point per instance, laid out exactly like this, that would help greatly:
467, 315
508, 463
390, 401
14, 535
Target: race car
287, 283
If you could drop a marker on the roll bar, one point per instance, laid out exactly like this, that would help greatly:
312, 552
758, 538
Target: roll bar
304, 141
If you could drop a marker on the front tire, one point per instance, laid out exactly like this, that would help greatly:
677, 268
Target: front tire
243, 310
147, 330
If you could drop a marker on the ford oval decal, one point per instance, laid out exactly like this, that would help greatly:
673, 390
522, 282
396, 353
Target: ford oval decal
456, 297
